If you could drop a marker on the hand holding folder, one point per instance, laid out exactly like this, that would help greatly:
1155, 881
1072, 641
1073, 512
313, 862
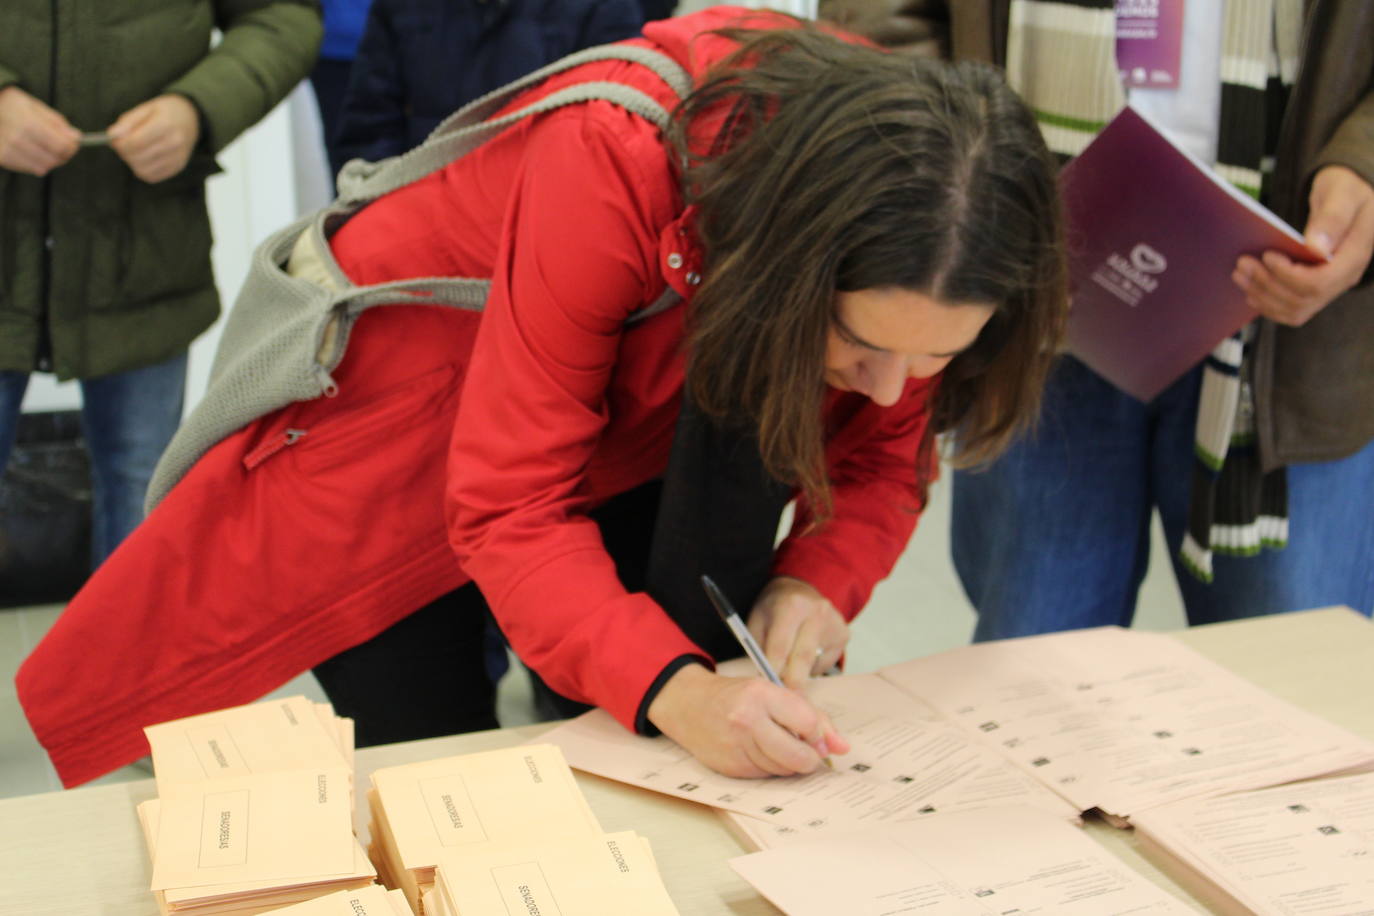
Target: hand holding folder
1340, 225
1154, 237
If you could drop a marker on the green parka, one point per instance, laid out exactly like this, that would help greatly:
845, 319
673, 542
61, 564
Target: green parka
99, 271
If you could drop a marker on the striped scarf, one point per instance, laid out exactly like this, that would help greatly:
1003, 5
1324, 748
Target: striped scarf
1061, 58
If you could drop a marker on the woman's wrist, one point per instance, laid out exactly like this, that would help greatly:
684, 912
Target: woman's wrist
676, 695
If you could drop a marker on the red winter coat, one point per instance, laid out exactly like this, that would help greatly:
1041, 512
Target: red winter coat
459, 447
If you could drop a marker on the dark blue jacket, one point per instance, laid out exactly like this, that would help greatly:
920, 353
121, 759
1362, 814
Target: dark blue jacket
420, 60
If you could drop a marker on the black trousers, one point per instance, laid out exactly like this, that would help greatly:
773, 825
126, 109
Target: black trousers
426, 675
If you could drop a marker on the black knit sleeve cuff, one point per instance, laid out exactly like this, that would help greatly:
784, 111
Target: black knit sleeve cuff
642, 724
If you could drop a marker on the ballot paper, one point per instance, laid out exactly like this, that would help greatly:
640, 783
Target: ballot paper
260, 827
272, 736
904, 764
367, 901
568, 876
1306, 848
1124, 721
1108, 718
968, 863
249, 896
421, 809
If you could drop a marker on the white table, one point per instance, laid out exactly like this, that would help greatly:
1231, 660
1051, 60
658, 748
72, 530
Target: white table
81, 851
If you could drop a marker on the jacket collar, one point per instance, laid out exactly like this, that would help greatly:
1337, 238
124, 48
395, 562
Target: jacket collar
680, 255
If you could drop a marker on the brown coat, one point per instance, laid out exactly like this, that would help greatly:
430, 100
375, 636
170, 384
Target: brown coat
1314, 385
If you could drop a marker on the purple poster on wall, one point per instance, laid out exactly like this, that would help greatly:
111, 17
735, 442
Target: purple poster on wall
1153, 235
1149, 42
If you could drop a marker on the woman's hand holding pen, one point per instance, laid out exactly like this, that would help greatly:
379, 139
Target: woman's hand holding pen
801, 632
744, 727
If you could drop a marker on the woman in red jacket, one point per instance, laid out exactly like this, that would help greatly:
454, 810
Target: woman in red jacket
867, 252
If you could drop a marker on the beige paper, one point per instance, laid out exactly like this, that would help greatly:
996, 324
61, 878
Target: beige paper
373, 900
339, 728
970, 863
570, 876
1306, 848
900, 767
265, 737
1124, 720
510, 793
268, 826
202, 898
385, 856
348, 740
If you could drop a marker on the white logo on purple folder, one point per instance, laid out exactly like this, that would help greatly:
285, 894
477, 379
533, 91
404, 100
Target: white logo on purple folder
1130, 278
1147, 260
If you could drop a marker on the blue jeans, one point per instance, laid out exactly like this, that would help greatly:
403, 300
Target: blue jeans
1055, 535
128, 418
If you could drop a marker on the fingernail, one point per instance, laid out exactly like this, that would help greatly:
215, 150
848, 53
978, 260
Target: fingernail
1322, 242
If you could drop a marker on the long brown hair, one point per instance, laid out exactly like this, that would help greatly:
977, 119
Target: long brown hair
839, 167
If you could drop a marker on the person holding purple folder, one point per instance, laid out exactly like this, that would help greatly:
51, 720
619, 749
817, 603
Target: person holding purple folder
1260, 460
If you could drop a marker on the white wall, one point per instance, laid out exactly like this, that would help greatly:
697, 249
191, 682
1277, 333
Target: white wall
272, 173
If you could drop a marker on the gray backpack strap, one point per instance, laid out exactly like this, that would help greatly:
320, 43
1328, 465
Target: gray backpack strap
479, 109
465, 130
286, 333
468, 127
439, 150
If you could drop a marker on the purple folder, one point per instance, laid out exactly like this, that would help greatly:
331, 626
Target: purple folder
1153, 236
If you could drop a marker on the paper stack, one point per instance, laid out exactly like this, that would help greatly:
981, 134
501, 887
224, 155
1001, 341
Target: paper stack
571, 876
1110, 719
368, 901
267, 737
906, 764
993, 860
254, 810
421, 811
1301, 848
1124, 721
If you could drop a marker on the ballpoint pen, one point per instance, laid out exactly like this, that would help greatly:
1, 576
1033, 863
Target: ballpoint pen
745, 638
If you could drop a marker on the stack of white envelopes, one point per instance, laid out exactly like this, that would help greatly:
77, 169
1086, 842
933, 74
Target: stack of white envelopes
498, 823
254, 809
